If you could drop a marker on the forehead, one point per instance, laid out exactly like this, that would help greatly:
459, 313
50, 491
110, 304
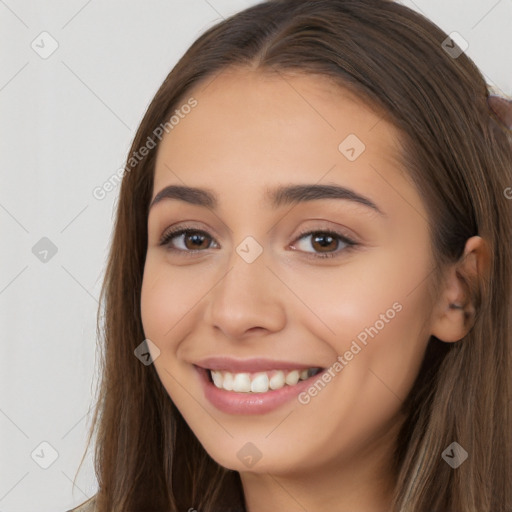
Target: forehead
251, 129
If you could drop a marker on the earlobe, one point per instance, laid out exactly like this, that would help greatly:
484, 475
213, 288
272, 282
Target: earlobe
454, 313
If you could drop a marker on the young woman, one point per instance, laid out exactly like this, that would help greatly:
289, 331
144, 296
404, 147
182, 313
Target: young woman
308, 295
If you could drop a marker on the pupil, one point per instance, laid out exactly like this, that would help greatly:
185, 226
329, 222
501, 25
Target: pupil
196, 239
328, 239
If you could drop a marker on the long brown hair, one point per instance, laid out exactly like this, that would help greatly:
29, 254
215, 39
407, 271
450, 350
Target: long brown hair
459, 157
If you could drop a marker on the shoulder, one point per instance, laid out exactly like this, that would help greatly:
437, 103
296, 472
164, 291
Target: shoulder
87, 506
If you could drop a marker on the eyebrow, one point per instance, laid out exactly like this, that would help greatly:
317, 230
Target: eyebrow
279, 196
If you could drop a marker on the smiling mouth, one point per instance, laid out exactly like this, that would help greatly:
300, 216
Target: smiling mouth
259, 382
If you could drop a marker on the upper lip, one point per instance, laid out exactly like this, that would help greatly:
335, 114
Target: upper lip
249, 365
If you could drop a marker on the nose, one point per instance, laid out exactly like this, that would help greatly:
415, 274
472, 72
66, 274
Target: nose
247, 300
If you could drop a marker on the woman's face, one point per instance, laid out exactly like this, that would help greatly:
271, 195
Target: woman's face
266, 278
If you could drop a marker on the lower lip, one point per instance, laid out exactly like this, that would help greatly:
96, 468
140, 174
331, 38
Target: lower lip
233, 402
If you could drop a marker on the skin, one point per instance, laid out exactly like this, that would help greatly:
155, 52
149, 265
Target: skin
251, 131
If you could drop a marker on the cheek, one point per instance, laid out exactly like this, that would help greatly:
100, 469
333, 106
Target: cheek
375, 315
170, 299
377, 327
168, 296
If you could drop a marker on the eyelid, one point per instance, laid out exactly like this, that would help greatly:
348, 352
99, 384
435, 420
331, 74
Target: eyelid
348, 241
171, 233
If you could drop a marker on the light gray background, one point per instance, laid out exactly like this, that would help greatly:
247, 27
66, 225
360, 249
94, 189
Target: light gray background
66, 126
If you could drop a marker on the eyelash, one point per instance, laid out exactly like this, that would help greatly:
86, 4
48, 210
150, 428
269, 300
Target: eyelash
350, 244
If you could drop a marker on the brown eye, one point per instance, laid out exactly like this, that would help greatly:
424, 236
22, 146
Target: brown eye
195, 241
186, 240
325, 244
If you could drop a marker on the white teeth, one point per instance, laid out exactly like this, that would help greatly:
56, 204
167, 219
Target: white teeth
242, 382
227, 383
292, 378
259, 382
217, 378
277, 380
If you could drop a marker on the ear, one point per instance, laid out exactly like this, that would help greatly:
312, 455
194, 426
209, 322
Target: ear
454, 312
